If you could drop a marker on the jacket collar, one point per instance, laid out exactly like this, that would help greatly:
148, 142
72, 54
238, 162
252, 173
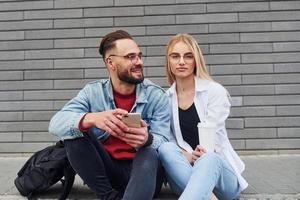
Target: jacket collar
140, 91
200, 85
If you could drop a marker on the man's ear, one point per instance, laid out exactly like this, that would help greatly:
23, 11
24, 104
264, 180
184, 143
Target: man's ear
109, 63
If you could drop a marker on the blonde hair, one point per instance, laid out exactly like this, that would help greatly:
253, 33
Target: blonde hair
200, 68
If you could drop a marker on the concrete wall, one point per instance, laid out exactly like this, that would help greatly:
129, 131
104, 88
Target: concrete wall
48, 51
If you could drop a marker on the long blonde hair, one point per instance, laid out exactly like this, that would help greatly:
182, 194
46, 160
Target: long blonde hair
200, 68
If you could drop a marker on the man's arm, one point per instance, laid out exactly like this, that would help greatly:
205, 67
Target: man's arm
106, 120
65, 123
159, 125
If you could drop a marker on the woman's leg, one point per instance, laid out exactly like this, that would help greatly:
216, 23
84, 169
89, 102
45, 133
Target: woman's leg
177, 167
211, 173
227, 186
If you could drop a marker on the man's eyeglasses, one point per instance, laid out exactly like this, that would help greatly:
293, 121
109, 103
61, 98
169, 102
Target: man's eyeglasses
175, 58
133, 57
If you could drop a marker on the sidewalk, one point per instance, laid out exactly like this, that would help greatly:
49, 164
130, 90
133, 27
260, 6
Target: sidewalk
269, 177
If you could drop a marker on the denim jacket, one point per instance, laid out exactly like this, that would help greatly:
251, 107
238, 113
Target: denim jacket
96, 96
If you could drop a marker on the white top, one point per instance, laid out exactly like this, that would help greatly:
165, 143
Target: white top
213, 106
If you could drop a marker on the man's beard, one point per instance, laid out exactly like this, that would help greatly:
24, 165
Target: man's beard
126, 77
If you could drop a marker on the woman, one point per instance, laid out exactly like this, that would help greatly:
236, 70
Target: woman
194, 97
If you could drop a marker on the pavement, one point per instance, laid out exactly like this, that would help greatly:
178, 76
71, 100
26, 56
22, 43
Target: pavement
269, 176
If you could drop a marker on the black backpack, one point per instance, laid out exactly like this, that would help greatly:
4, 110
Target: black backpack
45, 168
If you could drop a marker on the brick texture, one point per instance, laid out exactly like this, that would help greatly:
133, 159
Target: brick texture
48, 51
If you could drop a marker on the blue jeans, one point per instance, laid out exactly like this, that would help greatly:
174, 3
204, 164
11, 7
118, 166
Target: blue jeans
210, 173
140, 178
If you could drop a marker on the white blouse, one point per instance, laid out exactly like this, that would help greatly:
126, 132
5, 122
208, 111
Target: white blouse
213, 106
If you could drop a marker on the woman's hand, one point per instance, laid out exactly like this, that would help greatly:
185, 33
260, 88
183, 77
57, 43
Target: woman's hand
198, 152
188, 156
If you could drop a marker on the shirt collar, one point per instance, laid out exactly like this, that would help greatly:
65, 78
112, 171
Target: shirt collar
200, 85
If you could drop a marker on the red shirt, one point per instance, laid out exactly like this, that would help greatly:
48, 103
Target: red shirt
114, 146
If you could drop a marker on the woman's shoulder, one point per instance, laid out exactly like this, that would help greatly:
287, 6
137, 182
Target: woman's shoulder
216, 86
212, 87
215, 90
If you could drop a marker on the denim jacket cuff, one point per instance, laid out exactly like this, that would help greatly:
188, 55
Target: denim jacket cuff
149, 140
74, 126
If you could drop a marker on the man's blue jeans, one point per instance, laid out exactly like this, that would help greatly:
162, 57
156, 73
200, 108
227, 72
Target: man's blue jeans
108, 177
210, 173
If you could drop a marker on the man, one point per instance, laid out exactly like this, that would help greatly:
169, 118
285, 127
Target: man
122, 162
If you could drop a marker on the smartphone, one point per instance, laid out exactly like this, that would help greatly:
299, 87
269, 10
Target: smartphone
132, 120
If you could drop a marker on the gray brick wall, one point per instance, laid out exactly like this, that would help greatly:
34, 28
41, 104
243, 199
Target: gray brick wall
48, 51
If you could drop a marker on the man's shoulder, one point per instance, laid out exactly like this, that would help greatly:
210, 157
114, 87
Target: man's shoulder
96, 83
94, 87
149, 85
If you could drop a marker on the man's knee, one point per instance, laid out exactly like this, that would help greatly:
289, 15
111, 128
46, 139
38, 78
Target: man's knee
148, 159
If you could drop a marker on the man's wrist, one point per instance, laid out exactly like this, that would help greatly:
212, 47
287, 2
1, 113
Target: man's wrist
87, 121
149, 140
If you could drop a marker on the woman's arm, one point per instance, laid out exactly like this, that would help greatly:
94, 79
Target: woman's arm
218, 107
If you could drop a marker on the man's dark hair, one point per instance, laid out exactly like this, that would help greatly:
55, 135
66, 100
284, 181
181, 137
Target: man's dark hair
108, 41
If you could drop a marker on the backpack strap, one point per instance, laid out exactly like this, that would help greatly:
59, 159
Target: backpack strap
69, 175
60, 144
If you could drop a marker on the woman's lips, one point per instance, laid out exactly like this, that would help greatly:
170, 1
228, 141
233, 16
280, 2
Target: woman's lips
181, 68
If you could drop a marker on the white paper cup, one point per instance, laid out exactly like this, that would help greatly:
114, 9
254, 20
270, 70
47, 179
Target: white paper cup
207, 134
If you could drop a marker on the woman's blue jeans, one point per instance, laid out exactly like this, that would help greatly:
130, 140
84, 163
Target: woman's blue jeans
210, 173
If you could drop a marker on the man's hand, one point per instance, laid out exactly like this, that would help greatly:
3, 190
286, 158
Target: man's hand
136, 137
198, 152
109, 121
